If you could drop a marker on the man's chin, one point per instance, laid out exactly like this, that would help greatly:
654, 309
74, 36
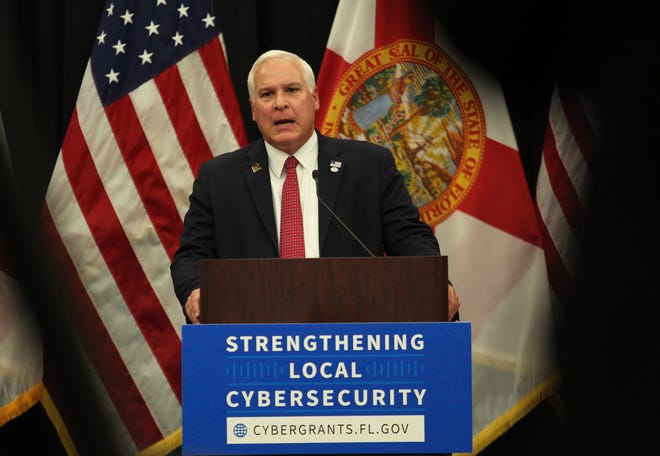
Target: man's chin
284, 140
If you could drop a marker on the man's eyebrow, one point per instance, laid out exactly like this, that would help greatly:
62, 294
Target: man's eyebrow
286, 84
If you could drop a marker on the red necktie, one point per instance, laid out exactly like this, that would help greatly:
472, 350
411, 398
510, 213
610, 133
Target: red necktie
292, 238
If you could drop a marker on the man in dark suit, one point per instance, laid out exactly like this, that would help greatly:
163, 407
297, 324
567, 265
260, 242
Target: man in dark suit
235, 205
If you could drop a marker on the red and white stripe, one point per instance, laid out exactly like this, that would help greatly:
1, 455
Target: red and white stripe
115, 206
563, 186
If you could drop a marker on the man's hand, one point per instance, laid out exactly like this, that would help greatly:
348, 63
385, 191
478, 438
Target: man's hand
454, 302
192, 306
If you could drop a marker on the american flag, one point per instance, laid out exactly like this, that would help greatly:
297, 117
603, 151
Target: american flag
156, 100
563, 186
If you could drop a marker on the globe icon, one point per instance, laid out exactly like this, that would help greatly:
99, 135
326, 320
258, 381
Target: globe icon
240, 430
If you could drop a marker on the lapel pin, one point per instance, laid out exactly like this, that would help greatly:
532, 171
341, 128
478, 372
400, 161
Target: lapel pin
335, 165
256, 167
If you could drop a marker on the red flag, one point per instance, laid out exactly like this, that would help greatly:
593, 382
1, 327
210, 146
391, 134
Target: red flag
155, 101
563, 187
391, 75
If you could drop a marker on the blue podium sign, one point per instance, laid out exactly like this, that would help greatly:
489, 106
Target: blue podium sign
327, 388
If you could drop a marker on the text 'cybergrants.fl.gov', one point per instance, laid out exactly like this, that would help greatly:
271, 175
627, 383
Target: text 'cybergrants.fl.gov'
327, 429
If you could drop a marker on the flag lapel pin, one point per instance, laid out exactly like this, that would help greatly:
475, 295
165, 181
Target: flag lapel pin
335, 165
256, 167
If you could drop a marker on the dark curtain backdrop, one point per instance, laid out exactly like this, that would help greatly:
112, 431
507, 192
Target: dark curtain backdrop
608, 353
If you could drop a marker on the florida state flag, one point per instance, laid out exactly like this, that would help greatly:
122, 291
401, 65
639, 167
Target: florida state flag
391, 75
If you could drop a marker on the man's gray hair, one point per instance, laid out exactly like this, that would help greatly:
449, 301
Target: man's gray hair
308, 73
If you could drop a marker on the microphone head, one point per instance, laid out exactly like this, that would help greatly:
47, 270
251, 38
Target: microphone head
315, 174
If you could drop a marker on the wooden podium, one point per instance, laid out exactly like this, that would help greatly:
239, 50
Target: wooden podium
324, 290
291, 297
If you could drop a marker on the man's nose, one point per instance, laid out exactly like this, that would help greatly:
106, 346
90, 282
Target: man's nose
280, 101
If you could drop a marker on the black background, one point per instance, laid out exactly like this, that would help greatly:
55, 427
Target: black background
608, 350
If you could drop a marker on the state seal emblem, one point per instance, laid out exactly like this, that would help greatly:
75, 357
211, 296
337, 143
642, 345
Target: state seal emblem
412, 98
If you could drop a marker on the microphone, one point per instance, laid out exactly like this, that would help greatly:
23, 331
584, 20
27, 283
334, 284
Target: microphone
315, 175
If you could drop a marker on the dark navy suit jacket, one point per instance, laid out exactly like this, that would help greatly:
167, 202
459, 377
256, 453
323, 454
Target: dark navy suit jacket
231, 212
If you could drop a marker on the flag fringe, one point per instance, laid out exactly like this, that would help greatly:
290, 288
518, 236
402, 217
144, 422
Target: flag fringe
58, 423
165, 446
161, 448
21, 404
506, 421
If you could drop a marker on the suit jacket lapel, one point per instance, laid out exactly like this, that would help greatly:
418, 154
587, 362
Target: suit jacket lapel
331, 171
257, 178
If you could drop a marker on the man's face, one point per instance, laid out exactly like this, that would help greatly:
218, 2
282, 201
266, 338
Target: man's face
283, 107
